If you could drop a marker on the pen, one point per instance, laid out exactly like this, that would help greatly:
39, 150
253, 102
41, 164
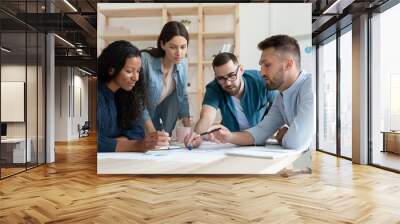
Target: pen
209, 132
162, 128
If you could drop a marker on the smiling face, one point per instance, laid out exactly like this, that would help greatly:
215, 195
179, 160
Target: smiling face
129, 74
175, 49
272, 69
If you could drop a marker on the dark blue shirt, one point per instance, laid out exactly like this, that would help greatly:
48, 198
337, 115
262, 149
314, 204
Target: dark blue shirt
107, 125
255, 101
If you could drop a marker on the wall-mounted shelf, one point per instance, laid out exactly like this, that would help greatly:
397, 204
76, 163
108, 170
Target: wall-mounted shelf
201, 36
130, 37
131, 13
220, 10
183, 11
218, 35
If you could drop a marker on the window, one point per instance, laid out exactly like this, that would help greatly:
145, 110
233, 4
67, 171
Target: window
385, 85
22, 67
346, 94
327, 97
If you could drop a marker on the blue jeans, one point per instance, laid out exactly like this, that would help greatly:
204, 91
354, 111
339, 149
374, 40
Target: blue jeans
168, 111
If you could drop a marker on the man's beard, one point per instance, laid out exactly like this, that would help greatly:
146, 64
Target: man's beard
233, 91
277, 82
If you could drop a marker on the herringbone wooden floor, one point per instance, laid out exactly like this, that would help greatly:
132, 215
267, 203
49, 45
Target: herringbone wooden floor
70, 191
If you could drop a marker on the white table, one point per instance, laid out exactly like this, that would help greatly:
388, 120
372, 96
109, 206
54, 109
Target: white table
16, 146
209, 159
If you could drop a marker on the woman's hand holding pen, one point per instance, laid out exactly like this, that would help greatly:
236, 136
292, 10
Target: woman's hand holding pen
156, 140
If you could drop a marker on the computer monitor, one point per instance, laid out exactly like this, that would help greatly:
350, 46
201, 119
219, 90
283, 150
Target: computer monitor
3, 129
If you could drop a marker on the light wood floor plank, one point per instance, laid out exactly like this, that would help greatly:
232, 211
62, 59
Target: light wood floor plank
70, 191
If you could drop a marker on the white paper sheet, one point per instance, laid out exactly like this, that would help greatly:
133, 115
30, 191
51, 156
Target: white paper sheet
265, 152
206, 153
187, 156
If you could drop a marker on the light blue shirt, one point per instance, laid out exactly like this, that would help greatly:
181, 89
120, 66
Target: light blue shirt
177, 104
293, 107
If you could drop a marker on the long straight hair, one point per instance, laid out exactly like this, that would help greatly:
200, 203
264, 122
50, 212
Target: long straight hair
169, 31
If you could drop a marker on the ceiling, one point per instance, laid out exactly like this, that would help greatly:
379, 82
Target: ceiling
77, 23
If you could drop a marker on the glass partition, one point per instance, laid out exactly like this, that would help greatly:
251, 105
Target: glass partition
385, 89
23, 87
346, 94
327, 96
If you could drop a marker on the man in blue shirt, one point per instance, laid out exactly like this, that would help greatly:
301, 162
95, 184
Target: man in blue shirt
239, 94
293, 106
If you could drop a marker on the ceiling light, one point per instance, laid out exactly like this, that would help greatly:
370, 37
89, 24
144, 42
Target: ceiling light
338, 6
331, 7
70, 5
84, 71
5, 50
65, 41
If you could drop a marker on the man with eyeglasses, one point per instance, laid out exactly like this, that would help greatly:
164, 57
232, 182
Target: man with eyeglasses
239, 94
293, 106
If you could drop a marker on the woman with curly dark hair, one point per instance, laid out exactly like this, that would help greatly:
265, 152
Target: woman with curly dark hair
121, 102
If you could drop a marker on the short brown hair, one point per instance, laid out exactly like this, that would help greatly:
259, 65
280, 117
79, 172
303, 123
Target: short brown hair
223, 58
282, 43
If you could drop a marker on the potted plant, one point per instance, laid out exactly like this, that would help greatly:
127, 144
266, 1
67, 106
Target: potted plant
186, 23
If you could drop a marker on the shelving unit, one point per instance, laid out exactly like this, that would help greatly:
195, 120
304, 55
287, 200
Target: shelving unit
140, 37
167, 13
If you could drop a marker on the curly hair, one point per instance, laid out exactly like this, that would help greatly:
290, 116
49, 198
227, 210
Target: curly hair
129, 104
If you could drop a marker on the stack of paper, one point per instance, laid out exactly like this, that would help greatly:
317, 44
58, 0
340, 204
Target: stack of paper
262, 152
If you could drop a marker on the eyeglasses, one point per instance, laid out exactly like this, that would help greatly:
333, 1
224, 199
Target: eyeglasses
231, 77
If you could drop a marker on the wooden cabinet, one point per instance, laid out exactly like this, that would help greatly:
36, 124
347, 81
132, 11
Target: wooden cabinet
204, 35
391, 141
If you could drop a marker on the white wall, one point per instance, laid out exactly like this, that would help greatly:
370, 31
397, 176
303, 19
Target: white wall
253, 16
61, 103
70, 84
33, 126
17, 73
261, 20
81, 104
14, 73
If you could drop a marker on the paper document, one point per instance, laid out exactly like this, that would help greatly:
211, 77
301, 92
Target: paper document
262, 152
173, 155
173, 146
187, 156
